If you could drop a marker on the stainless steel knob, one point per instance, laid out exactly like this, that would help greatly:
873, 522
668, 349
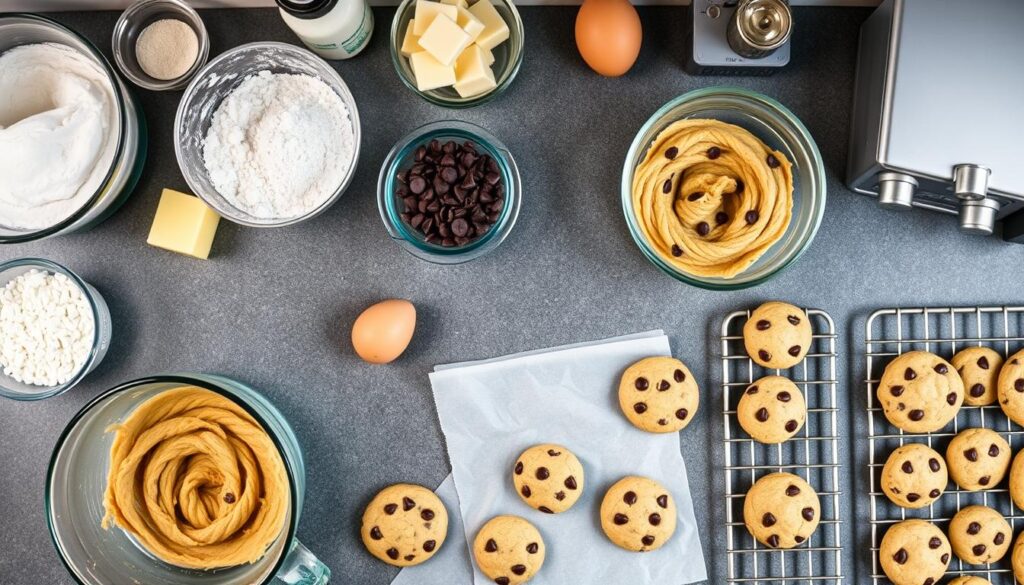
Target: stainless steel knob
970, 182
978, 216
759, 27
896, 191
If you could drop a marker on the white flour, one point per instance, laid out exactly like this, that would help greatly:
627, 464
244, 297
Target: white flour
279, 145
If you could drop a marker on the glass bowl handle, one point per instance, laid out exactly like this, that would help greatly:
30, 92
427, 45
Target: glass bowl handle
302, 568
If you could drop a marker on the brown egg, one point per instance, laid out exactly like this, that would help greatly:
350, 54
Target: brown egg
608, 35
383, 331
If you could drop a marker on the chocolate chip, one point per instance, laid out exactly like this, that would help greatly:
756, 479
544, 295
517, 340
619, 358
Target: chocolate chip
546, 510
761, 414
682, 413
721, 218
978, 390
429, 546
798, 539
410, 557
978, 549
390, 509
916, 415
703, 229
393, 553
973, 528
792, 491
662, 501
676, 251
629, 498
907, 467
900, 557
984, 480
714, 152
739, 186
229, 498
752, 390
640, 407
671, 153
793, 319
934, 493
647, 540
764, 324
999, 539
519, 468
654, 519
791, 426
679, 376
695, 196
1018, 385
641, 384
945, 559
942, 369
764, 355
543, 473
667, 186
794, 351
663, 422
896, 391
783, 396
934, 465
983, 362
751, 217
909, 374
971, 454
773, 541
620, 519
768, 520
807, 513
772, 161
503, 580
570, 482
526, 491
934, 543
518, 569
491, 546
663, 386
408, 504
951, 398
929, 581
532, 548
913, 497
427, 514
375, 533
993, 450
559, 496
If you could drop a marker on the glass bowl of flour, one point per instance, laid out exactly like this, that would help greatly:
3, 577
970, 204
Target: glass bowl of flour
268, 135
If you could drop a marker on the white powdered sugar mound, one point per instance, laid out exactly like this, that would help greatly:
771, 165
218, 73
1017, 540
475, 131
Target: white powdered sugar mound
279, 145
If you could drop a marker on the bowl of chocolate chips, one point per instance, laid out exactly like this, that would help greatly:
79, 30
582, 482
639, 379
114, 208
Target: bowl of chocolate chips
449, 192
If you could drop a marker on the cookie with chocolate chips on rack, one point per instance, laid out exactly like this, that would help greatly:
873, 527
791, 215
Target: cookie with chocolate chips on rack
548, 478
772, 410
914, 552
979, 535
404, 525
979, 369
914, 476
1017, 480
781, 510
659, 395
978, 459
638, 514
777, 335
969, 580
1010, 387
920, 392
509, 550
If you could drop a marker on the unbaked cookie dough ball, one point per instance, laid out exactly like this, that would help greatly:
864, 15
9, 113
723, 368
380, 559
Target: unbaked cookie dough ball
920, 392
404, 525
969, 580
777, 335
509, 550
914, 476
548, 478
979, 369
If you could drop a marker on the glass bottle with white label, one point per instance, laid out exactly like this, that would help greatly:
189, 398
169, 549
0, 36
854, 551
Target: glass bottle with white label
334, 29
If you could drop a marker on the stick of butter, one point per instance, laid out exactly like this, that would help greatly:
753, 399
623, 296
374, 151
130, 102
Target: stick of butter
183, 224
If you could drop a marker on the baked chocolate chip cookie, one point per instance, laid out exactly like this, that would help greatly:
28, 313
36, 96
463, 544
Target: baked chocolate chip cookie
914, 552
781, 510
920, 392
658, 395
548, 478
1017, 480
978, 459
777, 335
404, 525
638, 514
969, 580
979, 535
772, 410
1017, 559
1010, 387
914, 476
509, 550
979, 369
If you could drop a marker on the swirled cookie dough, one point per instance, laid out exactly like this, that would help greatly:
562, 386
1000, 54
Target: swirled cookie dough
710, 198
196, 480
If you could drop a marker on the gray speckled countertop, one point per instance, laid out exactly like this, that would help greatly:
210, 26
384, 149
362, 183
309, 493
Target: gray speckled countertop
273, 307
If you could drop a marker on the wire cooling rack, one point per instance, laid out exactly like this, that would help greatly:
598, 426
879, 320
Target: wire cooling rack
812, 454
942, 331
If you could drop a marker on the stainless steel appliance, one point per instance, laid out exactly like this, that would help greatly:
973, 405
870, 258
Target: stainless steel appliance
738, 36
938, 110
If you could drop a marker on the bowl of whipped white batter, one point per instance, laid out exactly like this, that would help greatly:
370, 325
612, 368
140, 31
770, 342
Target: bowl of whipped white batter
267, 134
72, 138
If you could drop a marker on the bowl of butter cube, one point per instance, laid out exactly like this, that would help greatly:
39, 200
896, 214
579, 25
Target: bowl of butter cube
457, 53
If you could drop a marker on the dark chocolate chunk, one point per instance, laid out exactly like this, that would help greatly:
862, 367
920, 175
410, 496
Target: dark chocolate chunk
984, 480
408, 504
751, 217
679, 376
763, 324
662, 501
764, 355
703, 229
901, 557
999, 539
518, 569
629, 498
393, 553
647, 540
977, 390
543, 473
682, 413
792, 491
532, 548
973, 528
429, 546
375, 533
721, 218
752, 390
503, 580
620, 519
695, 196
761, 414
942, 369
570, 482
526, 491
676, 251
934, 465
951, 398
971, 454
793, 319
772, 161
671, 153
559, 495
654, 519
983, 363
913, 497
229, 498
773, 541
641, 384
410, 557
907, 467
390, 509
640, 407
714, 152
916, 415
794, 351
546, 510
783, 396
934, 543
427, 514
993, 450
519, 468
791, 425
807, 513
667, 186
934, 493
491, 546
1018, 385
979, 549
663, 386
768, 520
909, 374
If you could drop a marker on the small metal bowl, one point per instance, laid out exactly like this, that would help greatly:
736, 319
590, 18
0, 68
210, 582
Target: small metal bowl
135, 19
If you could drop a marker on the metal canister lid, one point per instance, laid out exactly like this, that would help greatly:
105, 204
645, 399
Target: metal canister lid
759, 27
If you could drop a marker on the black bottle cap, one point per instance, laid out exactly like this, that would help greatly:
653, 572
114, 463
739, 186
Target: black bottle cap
307, 9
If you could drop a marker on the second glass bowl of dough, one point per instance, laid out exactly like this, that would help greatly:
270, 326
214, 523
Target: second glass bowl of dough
779, 129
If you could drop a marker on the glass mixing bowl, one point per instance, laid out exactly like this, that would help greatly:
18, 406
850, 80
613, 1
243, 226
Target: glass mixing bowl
774, 125
77, 480
218, 79
130, 155
508, 57
11, 388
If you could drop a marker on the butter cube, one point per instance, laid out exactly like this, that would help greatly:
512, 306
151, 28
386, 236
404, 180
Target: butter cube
469, 23
431, 73
427, 11
411, 42
473, 76
461, 3
488, 56
445, 40
183, 224
495, 30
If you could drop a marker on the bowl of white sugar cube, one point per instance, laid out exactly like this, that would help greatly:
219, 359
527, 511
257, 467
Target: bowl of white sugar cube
54, 329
